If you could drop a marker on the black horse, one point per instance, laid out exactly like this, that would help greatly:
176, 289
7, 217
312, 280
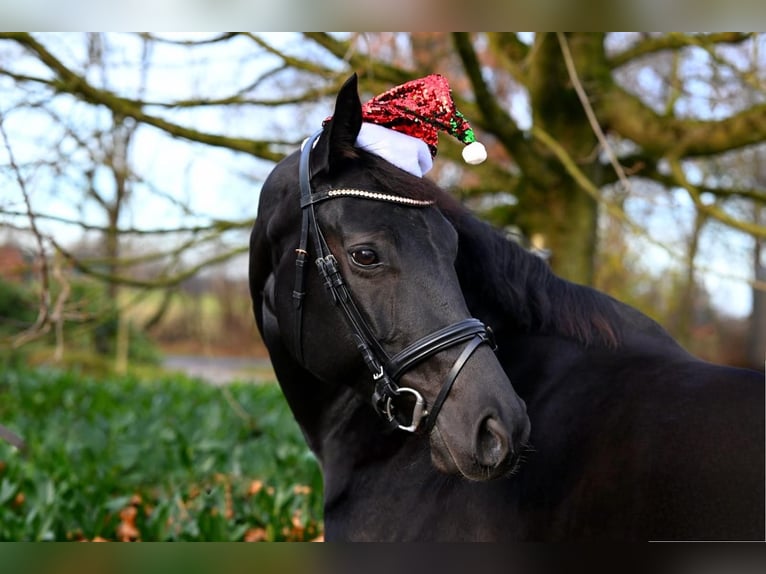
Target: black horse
589, 422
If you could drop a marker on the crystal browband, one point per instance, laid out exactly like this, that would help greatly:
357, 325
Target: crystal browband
373, 195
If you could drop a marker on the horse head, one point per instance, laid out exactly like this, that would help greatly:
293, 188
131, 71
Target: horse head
382, 312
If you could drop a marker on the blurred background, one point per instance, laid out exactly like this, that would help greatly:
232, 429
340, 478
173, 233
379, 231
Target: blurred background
131, 166
130, 171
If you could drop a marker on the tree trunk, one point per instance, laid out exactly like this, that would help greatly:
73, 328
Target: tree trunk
550, 201
687, 296
122, 345
566, 219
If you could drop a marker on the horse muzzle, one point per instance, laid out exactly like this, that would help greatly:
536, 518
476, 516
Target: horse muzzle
483, 431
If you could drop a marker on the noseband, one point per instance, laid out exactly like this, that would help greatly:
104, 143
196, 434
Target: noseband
386, 370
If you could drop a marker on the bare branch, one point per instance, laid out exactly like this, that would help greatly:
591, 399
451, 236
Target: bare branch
589, 111
674, 41
70, 82
221, 38
514, 53
712, 210
291, 61
166, 281
632, 119
215, 225
366, 66
669, 181
504, 126
492, 116
43, 313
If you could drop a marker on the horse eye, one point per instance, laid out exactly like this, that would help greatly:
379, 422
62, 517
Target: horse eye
365, 257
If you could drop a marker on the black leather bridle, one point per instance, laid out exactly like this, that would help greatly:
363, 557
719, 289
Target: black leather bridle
386, 370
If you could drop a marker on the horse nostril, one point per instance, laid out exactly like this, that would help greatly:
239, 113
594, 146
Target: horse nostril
492, 443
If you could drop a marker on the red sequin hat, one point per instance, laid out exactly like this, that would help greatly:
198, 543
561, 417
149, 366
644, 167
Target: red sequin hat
421, 108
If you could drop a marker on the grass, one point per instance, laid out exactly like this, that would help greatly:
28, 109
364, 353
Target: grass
123, 458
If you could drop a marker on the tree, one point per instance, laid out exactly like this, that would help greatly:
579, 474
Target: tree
575, 122
85, 161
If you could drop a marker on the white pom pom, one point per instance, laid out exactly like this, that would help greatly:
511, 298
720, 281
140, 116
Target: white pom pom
474, 153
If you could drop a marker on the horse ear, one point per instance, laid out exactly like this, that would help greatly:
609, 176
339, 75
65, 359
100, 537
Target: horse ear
337, 143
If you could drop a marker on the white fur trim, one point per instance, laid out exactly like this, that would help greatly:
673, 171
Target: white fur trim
406, 152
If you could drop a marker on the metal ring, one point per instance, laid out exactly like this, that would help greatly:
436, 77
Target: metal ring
418, 411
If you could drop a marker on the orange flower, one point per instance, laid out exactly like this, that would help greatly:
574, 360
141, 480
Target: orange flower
126, 530
255, 535
18, 500
255, 487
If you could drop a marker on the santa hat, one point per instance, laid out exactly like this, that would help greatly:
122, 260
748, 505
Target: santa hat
402, 125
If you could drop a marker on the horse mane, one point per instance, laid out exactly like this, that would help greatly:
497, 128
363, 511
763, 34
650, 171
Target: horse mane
499, 274
507, 278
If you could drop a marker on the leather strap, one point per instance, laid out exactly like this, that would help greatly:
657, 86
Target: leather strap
433, 412
432, 344
299, 289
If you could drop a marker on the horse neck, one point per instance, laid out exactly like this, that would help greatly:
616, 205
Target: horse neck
346, 435
339, 424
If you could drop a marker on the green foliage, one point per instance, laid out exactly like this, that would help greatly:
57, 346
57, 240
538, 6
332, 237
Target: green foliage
163, 459
17, 312
17, 307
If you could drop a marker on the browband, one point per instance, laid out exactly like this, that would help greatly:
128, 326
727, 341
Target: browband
362, 194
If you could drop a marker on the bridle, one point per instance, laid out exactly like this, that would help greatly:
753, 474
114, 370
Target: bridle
386, 370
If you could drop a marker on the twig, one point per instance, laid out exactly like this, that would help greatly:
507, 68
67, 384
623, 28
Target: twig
757, 231
575, 79
570, 165
215, 225
590, 188
168, 281
238, 409
41, 324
